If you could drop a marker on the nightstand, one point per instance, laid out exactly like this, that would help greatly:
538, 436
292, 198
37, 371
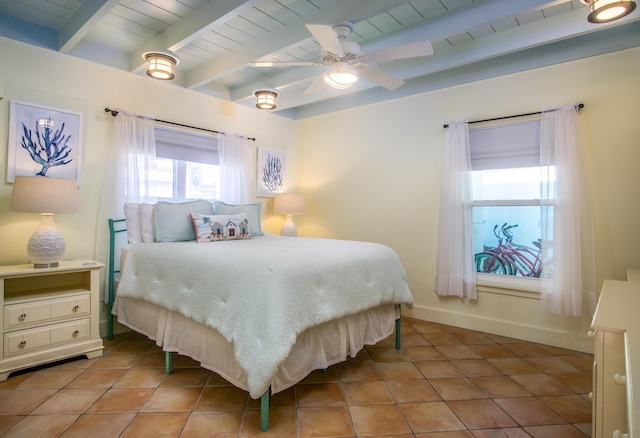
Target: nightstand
48, 314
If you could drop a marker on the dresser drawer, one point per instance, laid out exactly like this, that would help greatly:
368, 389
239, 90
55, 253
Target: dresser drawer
23, 341
20, 315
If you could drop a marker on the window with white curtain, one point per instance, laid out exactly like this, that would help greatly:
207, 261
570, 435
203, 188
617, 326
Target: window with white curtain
187, 165
507, 181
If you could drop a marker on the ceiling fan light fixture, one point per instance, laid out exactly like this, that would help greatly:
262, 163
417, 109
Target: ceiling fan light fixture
266, 98
160, 64
341, 77
604, 11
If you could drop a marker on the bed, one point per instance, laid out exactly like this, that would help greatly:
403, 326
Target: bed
261, 310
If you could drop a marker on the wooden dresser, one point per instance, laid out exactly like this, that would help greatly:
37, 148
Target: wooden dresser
616, 372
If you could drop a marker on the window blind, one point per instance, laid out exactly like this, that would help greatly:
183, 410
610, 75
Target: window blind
506, 146
186, 146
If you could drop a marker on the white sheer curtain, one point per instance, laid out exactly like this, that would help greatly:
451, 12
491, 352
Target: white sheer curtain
567, 227
235, 169
455, 273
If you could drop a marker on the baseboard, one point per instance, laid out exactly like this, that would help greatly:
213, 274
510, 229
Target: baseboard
508, 329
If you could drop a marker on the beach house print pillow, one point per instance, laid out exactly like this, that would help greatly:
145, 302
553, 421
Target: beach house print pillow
215, 228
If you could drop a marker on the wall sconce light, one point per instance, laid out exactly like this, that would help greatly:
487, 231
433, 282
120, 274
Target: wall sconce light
160, 64
45, 195
289, 204
266, 99
341, 77
603, 11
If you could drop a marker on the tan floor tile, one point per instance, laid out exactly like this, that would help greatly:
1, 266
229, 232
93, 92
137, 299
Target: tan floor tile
185, 362
137, 345
360, 393
583, 362
186, 377
430, 417
172, 399
98, 426
378, 419
511, 432
413, 340
500, 386
213, 424
221, 397
452, 434
398, 370
437, 369
217, 380
477, 367
529, 411
122, 400
70, 401
155, 359
141, 378
322, 376
41, 426
51, 378
6, 421
473, 338
564, 431
282, 424
387, 355
97, 378
357, 371
572, 407
578, 382
325, 421
527, 349
283, 399
150, 425
551, 365
412, 391
118, 360
492, 351
423, 353
442, 339
428, 328
320, 394
20, 402
453, 352
457, 389
503, 339
541, 384
16, 380
481, 414
514, 366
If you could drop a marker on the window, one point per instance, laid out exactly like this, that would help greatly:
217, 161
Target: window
507, 184
187, 165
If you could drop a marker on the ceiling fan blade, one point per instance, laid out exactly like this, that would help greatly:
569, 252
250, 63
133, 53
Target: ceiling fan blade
411, 50
379, 77
285, 64
318, 85
326, 37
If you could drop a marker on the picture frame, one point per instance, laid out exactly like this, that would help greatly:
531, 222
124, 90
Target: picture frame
43, 141
272, 170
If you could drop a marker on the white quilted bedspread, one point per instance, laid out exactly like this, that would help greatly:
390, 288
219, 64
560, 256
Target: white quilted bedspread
261, 293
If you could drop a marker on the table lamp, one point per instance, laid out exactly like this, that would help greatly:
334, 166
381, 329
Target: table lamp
45, 195
289, 204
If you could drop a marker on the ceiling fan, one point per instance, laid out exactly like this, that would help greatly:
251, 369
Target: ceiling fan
348, 62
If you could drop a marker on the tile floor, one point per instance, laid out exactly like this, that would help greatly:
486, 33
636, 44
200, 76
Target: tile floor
443, 382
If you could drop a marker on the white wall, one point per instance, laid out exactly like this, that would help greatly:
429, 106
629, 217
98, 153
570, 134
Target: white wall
374, 173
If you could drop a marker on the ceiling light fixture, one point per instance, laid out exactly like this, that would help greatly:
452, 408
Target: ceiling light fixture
266, 98
341, 77
160, 64
604, 11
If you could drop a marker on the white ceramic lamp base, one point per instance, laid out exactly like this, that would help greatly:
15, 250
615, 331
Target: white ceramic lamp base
46, 245
289, 228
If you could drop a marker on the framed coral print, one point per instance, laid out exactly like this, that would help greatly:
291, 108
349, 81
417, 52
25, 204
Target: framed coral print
43, 141
272, 167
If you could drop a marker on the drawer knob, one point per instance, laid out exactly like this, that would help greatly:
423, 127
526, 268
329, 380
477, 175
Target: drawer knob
590, 395
618, 434
76, 308
620, 379
23, 343
591, 334
76, 332
22, 316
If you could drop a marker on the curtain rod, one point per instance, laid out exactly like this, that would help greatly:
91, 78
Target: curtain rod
578, 108
115, 113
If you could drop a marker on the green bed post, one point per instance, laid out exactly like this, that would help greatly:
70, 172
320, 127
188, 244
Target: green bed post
264, 411
168, 362
398, 327
112, 245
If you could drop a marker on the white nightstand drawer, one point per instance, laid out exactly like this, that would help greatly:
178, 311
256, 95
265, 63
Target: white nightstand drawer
28, 314
23, 341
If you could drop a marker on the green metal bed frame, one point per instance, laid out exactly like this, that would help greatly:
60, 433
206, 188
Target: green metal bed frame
117, 226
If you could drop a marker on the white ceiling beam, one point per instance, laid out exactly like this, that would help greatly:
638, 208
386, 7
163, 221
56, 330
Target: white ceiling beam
200, 21
286, 37
83, 20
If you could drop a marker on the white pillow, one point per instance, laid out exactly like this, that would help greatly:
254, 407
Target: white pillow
132, 221
146, 222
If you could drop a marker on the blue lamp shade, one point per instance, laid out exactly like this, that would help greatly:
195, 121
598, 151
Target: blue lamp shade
44, 195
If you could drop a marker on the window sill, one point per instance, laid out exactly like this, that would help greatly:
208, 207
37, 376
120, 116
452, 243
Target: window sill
509, 285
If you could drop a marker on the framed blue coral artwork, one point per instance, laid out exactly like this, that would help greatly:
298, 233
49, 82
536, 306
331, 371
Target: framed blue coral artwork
43, 141
272, 168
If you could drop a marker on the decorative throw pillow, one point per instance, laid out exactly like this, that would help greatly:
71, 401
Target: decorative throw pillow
251, 210
172, 222
213, 228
